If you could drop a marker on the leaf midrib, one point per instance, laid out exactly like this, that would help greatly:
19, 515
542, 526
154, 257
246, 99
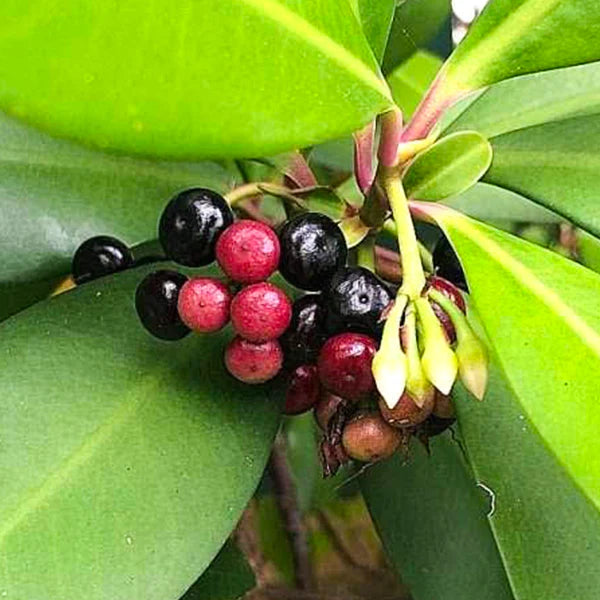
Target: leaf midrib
36, 498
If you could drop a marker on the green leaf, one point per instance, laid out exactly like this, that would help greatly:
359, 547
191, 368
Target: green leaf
410, 80
490, 203
555, 164
189, 79
55, 194
531, 100
228, 577
588, 248
450, 166
415, 23
431, 518
539, 311
125, 461
516, 37
376, 19
539, 512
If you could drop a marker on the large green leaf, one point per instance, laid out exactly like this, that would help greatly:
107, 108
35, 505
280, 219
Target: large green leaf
530, 100
515, 37
376, 20
189, 79
432, 520
125, 461
451, 166
547, 532
555, 164
510, 38
55, 194
410, 80
415, 23
228, 577
539, 311
490, 203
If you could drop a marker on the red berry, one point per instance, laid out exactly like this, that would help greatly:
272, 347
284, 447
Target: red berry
452, 293
261, 312
253, 363
203, 304
248, 251
345, 365
303, 390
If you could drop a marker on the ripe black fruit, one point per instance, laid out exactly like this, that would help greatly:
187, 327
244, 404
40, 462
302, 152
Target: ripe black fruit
99, 256
356, 299
156, 304
305, 335
191, 224
312, 249
447, 264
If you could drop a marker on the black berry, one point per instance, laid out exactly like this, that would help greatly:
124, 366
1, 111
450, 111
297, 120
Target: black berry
156, 304
447, 265
312, 249
99, 256
356, 298
305, 335
191, 225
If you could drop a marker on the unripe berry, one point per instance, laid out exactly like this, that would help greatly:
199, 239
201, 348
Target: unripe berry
203, 304
345, 365
303, 390
406, 413
248, 251
368, 438
253, 363
261, 312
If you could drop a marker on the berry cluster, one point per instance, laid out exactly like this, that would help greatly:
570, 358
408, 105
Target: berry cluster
324, 344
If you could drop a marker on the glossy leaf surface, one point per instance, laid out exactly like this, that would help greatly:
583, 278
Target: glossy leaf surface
451, 166
539, 511
531, 100
432, 520
55, 194
125, 461
189, 79
555, 164
546, 336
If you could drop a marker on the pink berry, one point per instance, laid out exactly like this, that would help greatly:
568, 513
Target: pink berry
248, 251
203, 304
345, 365
253, 363
303, 390
261, 312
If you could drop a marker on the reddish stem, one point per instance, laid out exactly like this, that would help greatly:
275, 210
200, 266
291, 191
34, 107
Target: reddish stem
363, 157
298, 174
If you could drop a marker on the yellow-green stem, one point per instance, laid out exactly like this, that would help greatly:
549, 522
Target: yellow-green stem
412, 269
252, 190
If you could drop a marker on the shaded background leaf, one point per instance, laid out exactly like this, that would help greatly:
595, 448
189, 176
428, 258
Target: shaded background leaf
140, 455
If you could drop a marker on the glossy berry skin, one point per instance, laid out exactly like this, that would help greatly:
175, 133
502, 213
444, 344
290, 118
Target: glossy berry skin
313, 248
327, 406
447, 265
303, 390
191, 224
248, 251
406, 413
452, 293
253, 363
368, 438
99, 256
203, 304
261, 312
356, 298
345, 365
306, 334
156, 304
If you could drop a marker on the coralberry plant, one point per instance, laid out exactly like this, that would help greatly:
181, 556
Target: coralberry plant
262, 259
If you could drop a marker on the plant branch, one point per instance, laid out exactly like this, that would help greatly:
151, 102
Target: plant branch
287, 500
